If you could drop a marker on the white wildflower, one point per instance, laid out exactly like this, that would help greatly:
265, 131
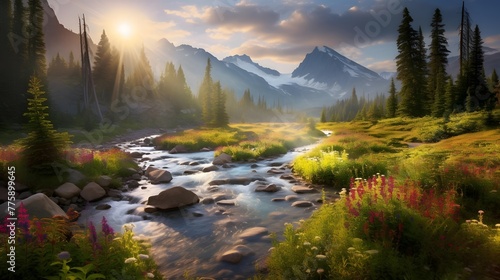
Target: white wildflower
130, 260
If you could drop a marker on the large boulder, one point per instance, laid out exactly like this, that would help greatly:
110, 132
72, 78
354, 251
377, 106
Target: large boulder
67, 190
173, 198
235, 254
92, 192
41, 206
159, 176
222, 159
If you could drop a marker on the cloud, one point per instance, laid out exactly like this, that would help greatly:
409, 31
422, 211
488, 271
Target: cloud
383, 66
245, 17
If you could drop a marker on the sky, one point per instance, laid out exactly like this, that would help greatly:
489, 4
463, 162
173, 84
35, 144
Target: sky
277, 33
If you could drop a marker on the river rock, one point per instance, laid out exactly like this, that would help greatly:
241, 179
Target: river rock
210, 168
92, 192
160, 176
219, 196
302, 203
194, 163
136, 154
222, 159
149, 169
242, 180
235, 254
39, 205
226, 202
253, 233
291, 197
190, 172
268, 188
278, 199
179, 149
218, 182
287, 177
173, 198
103, 206
275, 171
302, 189
103, 181
133, 184
67, 190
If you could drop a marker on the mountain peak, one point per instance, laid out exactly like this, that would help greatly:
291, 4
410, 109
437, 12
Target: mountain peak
246, 63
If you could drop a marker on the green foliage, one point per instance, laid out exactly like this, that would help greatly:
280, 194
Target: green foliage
392, 101
43, 145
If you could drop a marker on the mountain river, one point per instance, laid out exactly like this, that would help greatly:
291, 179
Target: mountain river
191, 240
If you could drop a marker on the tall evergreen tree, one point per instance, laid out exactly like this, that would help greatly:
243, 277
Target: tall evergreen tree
44, 145
392, 101
410, 71
220, 117
322, 117
205, 94
477, 86
142, 78
438, 60
450, 97
106, 71
36, 41
493, 81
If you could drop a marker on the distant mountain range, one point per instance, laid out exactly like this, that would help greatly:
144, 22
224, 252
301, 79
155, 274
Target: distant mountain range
323, 77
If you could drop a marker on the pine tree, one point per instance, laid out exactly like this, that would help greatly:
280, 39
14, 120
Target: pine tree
205, 95
438, 60
185, 94
493, 81
106, 70
322, 118
410, 68
57, 67
477, 80
450, 97
43, 145
392, 101
220, 117
36, 41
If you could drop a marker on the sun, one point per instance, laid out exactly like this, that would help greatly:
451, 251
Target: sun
125, 30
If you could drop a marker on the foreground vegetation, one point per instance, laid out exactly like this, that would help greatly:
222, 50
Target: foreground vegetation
56, 248
432, 215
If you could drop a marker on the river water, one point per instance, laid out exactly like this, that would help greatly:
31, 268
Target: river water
192, 239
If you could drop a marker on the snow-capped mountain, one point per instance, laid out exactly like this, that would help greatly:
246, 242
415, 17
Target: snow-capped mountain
326, 69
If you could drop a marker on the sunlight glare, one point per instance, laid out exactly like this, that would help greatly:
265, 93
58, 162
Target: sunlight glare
125, 29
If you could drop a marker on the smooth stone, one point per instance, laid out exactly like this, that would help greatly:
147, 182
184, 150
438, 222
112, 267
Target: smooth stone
38, 205
133, 184
136, 176
173, 198
197, 214
253, 233
218, 182
302, 189
179, 149
190, 172
226, 202
194, 163
150, 209
287, 177
222, 159
231, 256
160, 176
67, 190
207, 200
210, 168
268, 188
92, 192
277, 199
291, 197
275, 171
302, 203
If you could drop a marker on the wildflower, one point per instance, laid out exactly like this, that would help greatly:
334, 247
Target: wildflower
307, 244
320, 257
497, 226
106, 229
351, 249
314, 248
128, 227
39, 232
320, 271
64, 255
93, 234
143, 256
317, 238
308, 271
130, 260
150, 275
